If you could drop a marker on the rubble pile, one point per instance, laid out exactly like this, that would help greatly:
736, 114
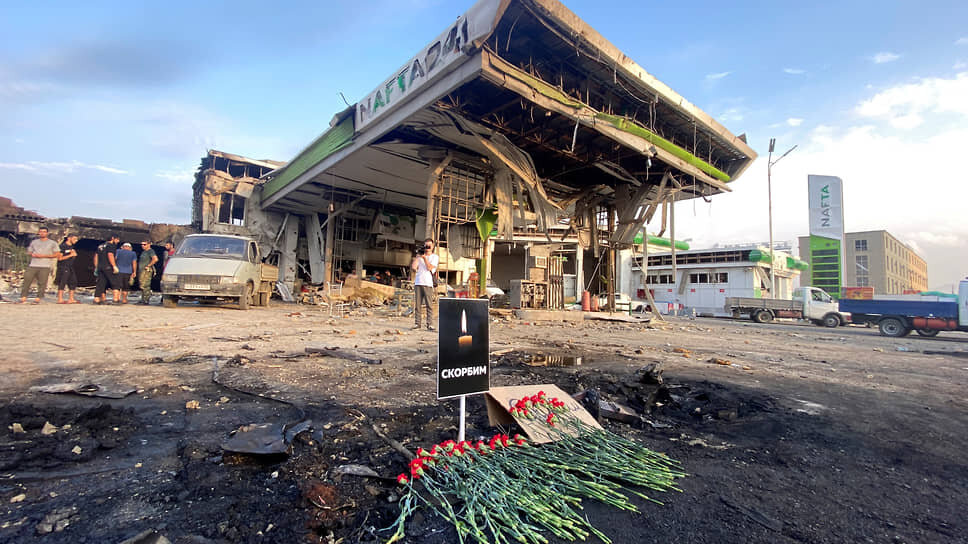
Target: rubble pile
363, 297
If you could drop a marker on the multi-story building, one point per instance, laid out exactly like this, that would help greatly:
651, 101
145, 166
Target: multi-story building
877, 259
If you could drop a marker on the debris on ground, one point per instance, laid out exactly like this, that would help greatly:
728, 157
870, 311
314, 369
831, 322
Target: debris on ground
258, 439
356, 470
56, 521
333, 351
265, 438
86, 389
149, 536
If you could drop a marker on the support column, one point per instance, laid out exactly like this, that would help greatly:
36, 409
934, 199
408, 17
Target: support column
672, 239
611, 261
358, 258
579, 271
437, 167
330, 240
314, 238
486, 269
287, 252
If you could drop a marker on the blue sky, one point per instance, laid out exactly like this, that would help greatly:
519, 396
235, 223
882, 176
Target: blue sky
106, 108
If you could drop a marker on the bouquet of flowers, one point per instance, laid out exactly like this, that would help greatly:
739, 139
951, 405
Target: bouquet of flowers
507, 489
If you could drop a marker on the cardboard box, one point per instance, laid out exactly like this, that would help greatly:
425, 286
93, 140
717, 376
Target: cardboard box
501, 399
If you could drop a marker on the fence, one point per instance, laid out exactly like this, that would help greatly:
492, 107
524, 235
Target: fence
12, 256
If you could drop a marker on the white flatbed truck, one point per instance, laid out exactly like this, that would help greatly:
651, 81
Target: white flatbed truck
809, 303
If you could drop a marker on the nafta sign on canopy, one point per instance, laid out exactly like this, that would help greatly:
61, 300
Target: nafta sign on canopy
430, 64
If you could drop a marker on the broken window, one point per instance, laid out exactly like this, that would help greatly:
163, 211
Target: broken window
702, 277
655, 279
231, 210
862, 270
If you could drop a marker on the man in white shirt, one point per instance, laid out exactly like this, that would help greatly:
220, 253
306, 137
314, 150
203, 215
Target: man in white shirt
43, 256
424, 292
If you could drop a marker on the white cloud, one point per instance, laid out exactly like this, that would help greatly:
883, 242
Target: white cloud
962, 41
960, 65
25, 91
794, 71
732, 114
179, 176
794, 121
884, 57
718, 75
884, 168
907, 122
16, 166
60, 167
948, 239
906, 106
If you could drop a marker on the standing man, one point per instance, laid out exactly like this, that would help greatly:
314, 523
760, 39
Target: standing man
169, 253
424, 289
65, 271
146, 270
126, 259
44, 253
106, 270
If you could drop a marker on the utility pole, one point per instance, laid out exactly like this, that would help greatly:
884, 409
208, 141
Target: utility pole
769, 195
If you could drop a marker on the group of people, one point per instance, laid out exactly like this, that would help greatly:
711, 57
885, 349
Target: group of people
117, 267
385, 278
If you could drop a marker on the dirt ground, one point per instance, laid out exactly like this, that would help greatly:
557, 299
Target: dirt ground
790, 433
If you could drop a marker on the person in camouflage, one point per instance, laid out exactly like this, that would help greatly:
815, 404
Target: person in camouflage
146, 270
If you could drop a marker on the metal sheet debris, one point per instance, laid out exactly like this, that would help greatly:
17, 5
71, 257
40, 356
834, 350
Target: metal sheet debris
86, 389
258, 439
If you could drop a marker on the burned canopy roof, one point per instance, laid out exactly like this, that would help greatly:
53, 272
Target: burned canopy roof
558, 120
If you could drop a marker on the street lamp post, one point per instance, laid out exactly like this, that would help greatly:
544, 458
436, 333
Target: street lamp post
769, 195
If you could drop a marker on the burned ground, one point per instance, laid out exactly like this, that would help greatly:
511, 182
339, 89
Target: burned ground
789, 433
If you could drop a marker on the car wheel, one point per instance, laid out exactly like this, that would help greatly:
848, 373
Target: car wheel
246, 298
928, 332
763, 316
831, 321
893, 327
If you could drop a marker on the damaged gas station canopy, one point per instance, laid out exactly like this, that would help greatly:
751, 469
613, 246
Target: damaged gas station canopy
548, 120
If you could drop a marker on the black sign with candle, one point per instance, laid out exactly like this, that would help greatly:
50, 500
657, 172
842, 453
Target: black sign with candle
462, 348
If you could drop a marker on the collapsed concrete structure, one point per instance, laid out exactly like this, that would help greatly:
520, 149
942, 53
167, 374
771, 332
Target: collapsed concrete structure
19, 226
523, 141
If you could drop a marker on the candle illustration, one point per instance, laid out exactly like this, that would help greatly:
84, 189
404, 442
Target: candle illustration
464, 340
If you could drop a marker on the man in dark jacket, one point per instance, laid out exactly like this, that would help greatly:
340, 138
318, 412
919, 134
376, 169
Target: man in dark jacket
65, 271
106, 270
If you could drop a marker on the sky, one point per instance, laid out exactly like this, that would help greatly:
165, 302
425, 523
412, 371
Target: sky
106, 108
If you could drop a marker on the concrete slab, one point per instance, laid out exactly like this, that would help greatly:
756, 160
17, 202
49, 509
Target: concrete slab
548, 315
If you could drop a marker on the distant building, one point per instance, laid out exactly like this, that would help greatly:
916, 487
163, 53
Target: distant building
703, 278
876, 259
222, 192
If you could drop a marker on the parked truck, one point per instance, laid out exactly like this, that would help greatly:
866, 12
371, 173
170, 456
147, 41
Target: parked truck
928, 314
218, 267
807, 303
